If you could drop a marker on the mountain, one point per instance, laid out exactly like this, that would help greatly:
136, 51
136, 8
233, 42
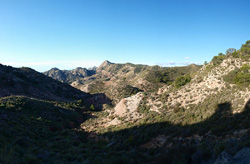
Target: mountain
69, 76
121, 80
104, 64
180, 116
192, 114
28, 82
183, 113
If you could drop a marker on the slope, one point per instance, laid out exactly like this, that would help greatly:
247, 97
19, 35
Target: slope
28, 82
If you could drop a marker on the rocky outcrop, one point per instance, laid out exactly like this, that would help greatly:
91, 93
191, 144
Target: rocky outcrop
104, 64
127, 107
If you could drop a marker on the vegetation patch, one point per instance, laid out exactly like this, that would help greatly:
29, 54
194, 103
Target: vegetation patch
243, 52
182, 80
240, 76
217, 60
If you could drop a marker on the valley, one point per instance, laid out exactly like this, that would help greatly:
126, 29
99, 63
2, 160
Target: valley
128, 113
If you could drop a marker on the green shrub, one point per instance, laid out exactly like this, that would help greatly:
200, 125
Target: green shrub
92, 107
243, 52
236, 54
239, 76
245, 48
182, 80
217, 60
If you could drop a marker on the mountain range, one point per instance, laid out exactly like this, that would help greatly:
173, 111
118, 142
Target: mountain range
128, 113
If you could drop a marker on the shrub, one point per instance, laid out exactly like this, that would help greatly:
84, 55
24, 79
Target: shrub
92, 107
245, 48
236, 54
239, 76
217, 60
182, 80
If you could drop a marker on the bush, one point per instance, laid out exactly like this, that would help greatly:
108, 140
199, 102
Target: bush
239, 76
245, 48
92, 107
182, 80
243, 76
236, 54
127, 90
217, 60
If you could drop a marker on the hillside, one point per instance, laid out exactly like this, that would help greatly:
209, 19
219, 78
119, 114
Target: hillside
207, 110
119, 81
28, 82
38, 131
69, 76
193, 114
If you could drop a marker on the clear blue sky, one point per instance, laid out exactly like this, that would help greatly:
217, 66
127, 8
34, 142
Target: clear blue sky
69, 33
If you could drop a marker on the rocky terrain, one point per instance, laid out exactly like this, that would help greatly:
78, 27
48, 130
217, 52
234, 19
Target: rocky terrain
119, 81
69, 76
131, 114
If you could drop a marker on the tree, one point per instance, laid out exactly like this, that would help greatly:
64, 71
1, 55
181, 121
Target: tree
221, 54
247, 44
235, 54
205, 63
230, 51
245, 48
217, 60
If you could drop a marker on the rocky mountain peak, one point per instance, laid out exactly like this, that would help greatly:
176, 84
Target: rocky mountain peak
54, 69
105, 63
80, 69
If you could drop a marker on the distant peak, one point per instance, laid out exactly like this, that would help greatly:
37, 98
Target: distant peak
54, 68
79, 68
105, 63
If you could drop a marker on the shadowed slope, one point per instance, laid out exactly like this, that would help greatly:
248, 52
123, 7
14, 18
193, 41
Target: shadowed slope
165, 142
28, 82
48, 132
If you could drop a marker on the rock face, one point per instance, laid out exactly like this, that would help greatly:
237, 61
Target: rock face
121, 108
127, 107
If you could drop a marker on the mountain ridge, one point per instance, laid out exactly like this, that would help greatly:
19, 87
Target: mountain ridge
192, 114
28, 82
119, 80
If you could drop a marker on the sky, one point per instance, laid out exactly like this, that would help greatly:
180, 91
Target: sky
42, 34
